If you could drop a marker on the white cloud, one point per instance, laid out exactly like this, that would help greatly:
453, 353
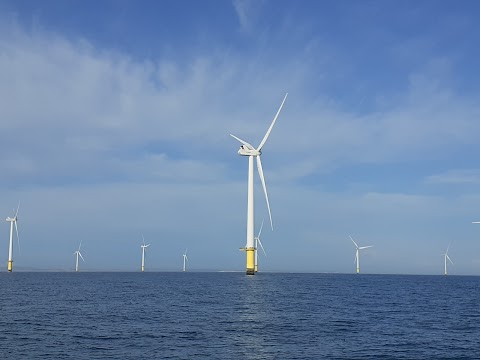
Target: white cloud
455, 177
247, 12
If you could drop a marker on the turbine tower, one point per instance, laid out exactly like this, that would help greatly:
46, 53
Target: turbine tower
12, 220
447, 257
247, 149
185, 259
78, 253
143, 253
258, 242
357, 253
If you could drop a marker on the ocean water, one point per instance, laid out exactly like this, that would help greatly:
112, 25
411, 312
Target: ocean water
234, 316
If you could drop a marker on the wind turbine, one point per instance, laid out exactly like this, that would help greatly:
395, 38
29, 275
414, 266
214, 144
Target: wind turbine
143, 253
12, 220
78, 253
247, 149
357, 253
258, 242
447, 257
185, 259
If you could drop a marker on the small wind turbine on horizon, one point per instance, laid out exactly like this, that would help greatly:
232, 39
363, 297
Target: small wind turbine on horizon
357, 253
253, 153
258, 242
12, 220
78, 253
446, 257
143, 253
185, 259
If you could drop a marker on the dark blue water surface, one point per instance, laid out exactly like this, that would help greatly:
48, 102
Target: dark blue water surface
234, 316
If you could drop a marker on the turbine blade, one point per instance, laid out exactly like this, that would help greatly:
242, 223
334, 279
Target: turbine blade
448, 257
446, 252
273, 123
262, 178
18, 207
475, 222
249, 146
79, 246
262, 246
143, 239
365, 247
79, 253
261, 227
18, 238
353, 241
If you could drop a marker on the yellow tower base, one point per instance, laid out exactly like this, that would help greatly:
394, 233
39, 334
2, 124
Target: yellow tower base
143, 268
10, 266
256, 268
250, 261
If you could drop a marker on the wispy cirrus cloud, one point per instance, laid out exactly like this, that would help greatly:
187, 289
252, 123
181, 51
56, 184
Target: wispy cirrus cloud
247, 12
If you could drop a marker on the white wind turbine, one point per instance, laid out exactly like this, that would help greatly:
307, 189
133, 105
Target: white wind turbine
447, 257
12, 220
143, 253
185, 259
247, 149
258, 242
357, 253
78, 253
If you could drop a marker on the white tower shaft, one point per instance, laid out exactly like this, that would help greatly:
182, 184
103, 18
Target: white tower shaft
76, 263
250, 205
143, 258
358, 261
10, 249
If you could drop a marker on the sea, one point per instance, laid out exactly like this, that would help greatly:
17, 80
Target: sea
228, 315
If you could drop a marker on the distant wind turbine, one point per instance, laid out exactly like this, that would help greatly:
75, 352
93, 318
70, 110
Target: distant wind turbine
143, 253
12, 220
247, 149
78, 253
357, 253
258, 242
446, 257
185, 259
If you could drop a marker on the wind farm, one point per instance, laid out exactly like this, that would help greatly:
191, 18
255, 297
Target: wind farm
166, 135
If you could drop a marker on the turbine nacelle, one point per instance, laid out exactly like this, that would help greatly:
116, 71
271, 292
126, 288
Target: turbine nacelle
244, 151
11, 219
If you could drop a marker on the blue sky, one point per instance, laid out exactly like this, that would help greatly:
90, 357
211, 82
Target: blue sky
115, 119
